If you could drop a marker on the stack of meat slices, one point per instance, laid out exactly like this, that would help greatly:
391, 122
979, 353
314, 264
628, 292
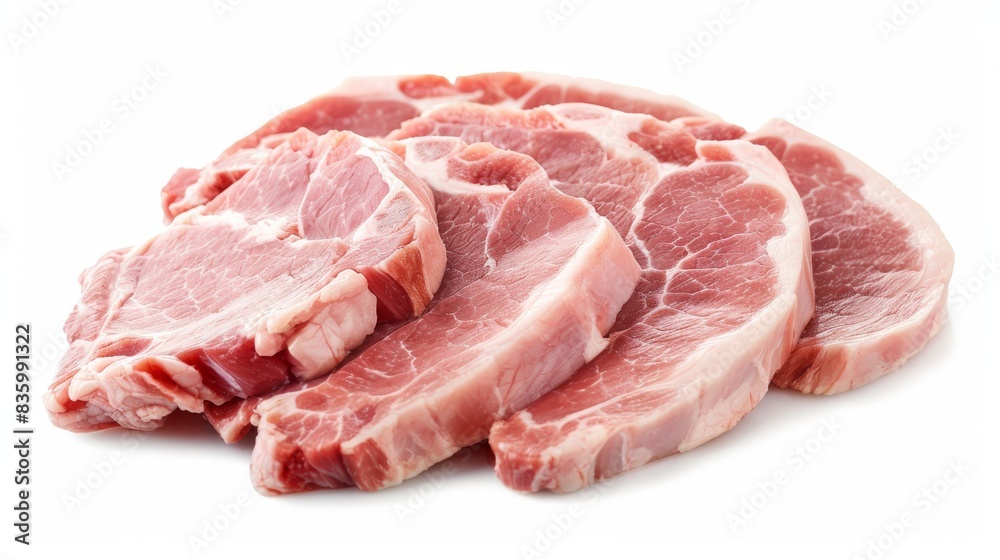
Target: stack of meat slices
589, 275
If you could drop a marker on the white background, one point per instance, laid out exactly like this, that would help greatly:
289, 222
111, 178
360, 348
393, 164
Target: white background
887, 99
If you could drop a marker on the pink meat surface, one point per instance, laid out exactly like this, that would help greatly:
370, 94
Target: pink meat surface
462, 230
377, 105
881, 265
830, 358
273, 280
535, 279
875, 308
726, 288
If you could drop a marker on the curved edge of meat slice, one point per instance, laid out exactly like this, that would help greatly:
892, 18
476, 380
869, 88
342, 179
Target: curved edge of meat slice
337, 231
884, 341
377, 105
595, 426
723, 240
528, 90
882, 266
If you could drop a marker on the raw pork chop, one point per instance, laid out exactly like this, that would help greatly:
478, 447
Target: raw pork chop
375, 106
726, 287
878, 303
535, 279
460, 228
273, 280
830, 359
880, 262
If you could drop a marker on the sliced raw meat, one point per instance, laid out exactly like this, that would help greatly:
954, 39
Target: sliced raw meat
375, 106
464, 214
273, 280
880, 262
853, 339
726, 288
829, 364
533, 284
232, 419
189, 188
